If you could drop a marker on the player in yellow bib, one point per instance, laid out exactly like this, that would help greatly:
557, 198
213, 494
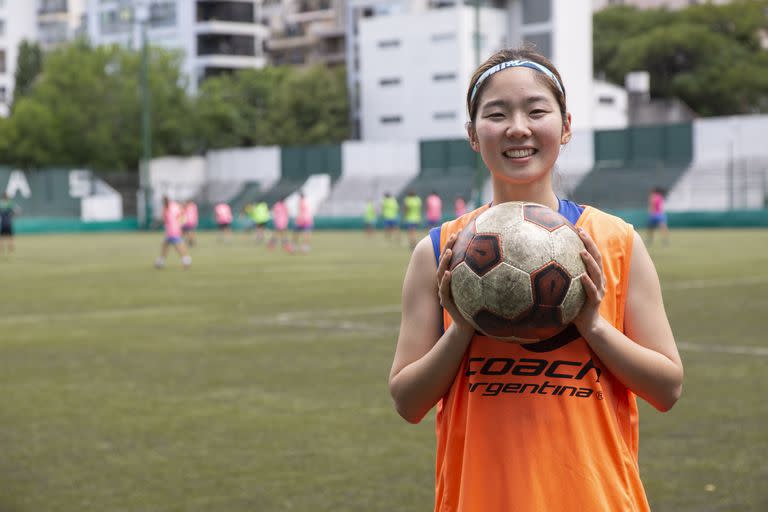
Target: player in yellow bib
543, 426
412, 216
389, 214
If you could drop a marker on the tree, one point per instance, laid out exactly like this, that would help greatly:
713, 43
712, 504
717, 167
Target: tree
709, 56
28, 66
84, 109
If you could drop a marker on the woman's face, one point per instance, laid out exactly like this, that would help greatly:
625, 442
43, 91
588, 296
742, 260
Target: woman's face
518, 128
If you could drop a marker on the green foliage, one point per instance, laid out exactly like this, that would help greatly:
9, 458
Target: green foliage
28, 67
708, 55
273, 106
84, 110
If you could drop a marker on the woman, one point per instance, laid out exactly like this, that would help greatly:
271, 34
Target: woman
535, 451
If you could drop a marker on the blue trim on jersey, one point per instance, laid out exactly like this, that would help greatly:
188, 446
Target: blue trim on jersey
570, 210
434, 234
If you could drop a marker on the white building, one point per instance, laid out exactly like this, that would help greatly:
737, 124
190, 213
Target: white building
610, 107
214, 36
18, 22
414, 66
59, 21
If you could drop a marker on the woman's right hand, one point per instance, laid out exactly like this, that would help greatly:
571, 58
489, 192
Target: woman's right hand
444, 287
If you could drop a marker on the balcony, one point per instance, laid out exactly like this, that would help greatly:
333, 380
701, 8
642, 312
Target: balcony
226, 44
238, 12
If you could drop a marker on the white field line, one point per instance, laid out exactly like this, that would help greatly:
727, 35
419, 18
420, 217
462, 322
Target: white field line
96, 314
724, 349
324, 319
715, 283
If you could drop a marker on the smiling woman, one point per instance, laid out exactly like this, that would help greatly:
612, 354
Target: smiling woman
521, 425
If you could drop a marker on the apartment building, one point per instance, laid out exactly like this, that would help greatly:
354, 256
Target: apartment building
18, 22
412, 66
214, 36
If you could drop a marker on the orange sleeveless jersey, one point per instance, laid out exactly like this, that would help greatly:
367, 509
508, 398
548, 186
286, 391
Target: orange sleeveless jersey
544, 426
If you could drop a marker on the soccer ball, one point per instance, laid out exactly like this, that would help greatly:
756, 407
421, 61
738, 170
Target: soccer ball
515, 272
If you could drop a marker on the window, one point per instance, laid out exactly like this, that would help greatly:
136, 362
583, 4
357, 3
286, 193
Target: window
162, 14
536, 11
114, 21
53, 33
606, 100
391, 119
2, 61
443, 37
443, 77
2, 94
542, 42
2, 27
48, 6
444, 116
386, 82
389, 43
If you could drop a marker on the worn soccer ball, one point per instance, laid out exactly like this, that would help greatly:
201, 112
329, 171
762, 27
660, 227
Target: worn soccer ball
515, 272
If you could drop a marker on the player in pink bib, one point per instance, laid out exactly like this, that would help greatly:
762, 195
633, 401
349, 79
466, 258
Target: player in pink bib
189, 227
303, 225
172, 220
223, 214
280, 220
434, 210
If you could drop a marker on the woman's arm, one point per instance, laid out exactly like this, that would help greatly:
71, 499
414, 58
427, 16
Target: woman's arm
645, 359
426, 360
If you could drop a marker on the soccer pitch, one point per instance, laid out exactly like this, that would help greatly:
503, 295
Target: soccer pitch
256, 381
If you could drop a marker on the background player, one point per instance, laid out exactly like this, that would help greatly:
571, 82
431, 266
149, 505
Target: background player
8, 210
189, 228
223, 215
434, 212
302, 231
411, 216
172, 220
657, 215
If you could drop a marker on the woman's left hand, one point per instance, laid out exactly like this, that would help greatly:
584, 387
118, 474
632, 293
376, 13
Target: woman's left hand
594, 285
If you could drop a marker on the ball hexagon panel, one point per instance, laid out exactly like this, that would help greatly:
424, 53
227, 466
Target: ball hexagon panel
507, 291
543, 216
527, 246
566, 246
550, 284
467, 290
498, 217
483, 253
462, 242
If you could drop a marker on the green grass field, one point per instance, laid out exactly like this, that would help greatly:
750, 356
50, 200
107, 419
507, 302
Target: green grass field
256, 381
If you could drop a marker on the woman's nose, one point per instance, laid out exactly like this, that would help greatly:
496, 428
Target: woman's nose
518, 127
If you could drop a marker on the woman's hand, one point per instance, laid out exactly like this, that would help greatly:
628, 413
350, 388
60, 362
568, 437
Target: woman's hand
444, 287
594, 285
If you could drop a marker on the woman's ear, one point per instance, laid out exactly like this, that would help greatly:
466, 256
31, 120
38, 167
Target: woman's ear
565, 137
473, 143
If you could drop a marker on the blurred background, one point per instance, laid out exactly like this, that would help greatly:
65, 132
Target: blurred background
109, 104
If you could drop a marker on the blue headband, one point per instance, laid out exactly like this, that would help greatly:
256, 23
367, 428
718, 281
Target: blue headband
514, 64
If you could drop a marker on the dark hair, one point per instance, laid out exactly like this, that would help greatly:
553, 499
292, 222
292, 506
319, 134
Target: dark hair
523, 53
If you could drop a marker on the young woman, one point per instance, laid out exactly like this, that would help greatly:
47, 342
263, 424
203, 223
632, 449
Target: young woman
524, 446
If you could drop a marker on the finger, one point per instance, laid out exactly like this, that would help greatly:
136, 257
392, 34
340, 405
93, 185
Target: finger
451, 241
594, 270
590, 245
589, 288
445, 261
445, 288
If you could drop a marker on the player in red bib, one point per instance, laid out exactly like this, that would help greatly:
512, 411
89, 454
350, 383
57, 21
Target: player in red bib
543, 426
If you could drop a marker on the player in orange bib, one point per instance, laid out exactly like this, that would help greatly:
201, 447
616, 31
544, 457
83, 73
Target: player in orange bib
543, 426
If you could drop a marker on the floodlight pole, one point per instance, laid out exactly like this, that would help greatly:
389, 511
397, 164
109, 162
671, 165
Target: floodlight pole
479, 171
142, 15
